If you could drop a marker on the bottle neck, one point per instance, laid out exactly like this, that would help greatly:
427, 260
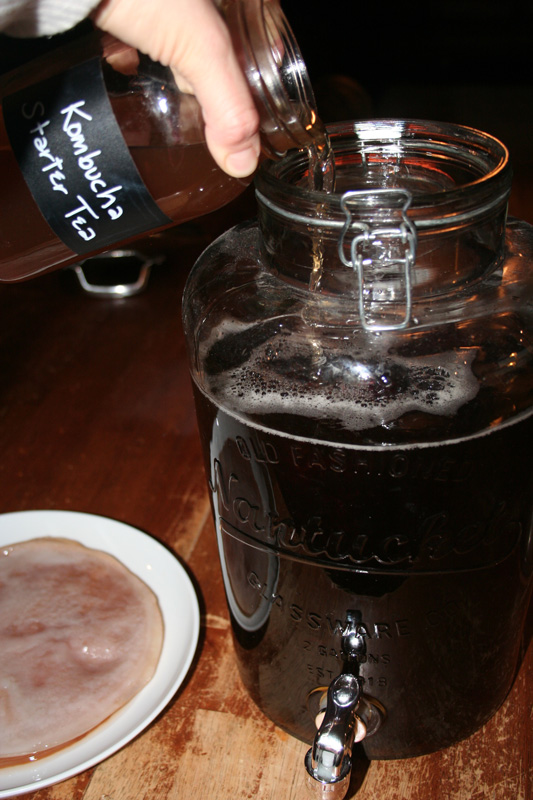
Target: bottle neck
275, 70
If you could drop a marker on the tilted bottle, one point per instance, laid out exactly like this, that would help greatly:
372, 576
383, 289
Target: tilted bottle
103, 147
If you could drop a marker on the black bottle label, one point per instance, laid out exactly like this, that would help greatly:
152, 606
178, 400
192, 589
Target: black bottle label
76, 163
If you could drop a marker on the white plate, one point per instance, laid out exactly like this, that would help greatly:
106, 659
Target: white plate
163, 573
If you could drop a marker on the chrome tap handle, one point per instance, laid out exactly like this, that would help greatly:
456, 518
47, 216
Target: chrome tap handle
329, 761
348, 717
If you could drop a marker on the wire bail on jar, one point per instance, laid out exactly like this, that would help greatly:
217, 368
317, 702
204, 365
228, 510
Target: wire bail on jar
383, 253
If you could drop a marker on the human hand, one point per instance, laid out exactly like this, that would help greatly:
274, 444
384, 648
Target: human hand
191, 37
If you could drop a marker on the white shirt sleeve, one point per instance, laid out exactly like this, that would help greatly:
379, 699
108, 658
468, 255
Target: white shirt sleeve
42, 17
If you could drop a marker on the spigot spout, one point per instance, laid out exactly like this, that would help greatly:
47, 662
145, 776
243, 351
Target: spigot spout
348, 717
329, 761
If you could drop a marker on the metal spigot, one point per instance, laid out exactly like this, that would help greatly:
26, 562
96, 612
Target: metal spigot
329, 761
348, 717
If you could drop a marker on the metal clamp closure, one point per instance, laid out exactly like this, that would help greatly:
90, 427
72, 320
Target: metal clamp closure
382, 256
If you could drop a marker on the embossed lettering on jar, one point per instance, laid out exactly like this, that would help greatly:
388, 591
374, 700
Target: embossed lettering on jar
363, 369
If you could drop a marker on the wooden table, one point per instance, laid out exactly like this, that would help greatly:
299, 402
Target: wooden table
96, 415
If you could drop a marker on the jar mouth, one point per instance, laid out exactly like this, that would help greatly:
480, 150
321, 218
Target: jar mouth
448, 170
419, 210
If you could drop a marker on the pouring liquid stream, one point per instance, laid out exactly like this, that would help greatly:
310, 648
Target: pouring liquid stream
321, 179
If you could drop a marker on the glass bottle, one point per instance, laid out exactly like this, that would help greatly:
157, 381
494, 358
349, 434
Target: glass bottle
104, 148
362, 363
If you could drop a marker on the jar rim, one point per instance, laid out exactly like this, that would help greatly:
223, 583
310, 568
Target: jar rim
472, 166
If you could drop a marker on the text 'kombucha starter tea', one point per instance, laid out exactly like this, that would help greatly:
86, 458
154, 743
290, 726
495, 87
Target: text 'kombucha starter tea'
99, 147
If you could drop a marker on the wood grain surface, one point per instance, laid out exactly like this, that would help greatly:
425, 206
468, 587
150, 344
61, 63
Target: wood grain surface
96, 415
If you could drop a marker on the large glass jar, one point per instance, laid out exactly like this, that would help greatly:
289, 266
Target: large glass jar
363, 369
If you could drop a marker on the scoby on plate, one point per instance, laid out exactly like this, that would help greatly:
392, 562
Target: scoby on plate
80, 635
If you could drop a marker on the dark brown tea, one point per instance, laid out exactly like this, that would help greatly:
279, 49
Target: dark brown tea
321, 511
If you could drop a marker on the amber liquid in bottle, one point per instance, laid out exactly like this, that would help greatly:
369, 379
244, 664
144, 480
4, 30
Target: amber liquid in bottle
181, 176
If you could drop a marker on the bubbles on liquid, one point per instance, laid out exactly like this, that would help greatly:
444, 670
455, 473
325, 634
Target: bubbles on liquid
355, 391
